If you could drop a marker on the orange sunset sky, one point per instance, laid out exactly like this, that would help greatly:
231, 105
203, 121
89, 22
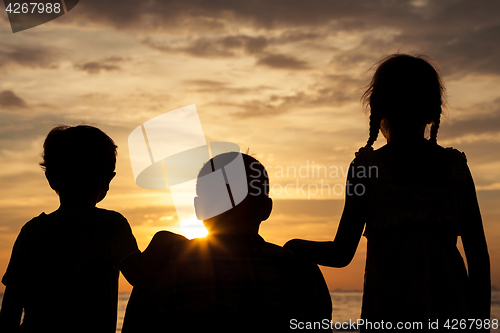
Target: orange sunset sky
280, 78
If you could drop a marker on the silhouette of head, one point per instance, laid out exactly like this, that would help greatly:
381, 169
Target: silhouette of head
247, 215
78, 160
405, 94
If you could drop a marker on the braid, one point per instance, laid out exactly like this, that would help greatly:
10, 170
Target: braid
434, 129
375, 120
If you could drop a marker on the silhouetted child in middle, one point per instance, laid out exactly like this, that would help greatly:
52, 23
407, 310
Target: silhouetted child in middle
231, 280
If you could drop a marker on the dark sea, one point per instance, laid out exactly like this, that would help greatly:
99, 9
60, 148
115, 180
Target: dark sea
346, 308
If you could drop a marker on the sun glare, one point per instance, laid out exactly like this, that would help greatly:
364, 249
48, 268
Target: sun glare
193, 228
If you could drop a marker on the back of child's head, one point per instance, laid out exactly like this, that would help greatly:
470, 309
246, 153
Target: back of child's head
256, 181
405, 93
78, 160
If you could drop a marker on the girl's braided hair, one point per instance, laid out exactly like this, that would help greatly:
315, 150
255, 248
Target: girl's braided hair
405, 92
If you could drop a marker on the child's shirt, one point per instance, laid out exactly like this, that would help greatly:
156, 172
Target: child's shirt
225, 283
66, 269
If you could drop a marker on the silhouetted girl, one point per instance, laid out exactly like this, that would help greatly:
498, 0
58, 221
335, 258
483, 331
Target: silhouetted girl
413, 198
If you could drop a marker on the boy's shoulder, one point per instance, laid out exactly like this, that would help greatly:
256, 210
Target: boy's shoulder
99, 215
110, 214
35, 221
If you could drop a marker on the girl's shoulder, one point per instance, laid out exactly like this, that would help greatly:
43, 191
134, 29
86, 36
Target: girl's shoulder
364, 154
453, 158
368, 152
456, 154
432, 159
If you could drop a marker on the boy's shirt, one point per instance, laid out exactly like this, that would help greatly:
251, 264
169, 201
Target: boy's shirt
66, 269
227, 283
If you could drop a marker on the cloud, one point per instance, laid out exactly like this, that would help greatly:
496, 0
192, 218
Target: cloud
195, 13
491, 187
482, 125
232, 46
292, 36
10, 101
211, 86
250, 45
95, 67
280, 61
293, 210
479, 119
474, 51
330, 91
264, 49
216, 47
156, 215
206, 84
27, 56
461, 35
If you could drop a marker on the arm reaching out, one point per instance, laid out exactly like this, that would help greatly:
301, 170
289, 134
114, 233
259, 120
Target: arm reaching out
340, 251
139, 268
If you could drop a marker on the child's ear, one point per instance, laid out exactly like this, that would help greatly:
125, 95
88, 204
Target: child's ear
108, 180
51, 181
267, 207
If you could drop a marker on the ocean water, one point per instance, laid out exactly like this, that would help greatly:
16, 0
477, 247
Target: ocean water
346, 306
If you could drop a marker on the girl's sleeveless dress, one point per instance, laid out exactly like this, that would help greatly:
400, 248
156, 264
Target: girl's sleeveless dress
414, 271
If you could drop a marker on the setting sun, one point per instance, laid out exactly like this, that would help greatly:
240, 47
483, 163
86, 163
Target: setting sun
193, 228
